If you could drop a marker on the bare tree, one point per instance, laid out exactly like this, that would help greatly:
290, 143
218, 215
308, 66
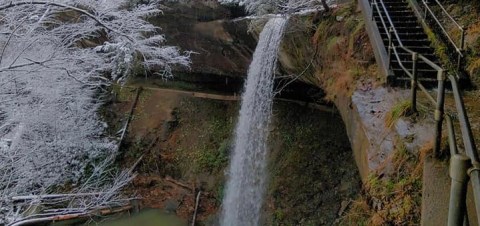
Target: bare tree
325, 5
260, 7
50, 93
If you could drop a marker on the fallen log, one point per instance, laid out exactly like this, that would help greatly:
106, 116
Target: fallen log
88, 214
179, 183
53, 196
197, 201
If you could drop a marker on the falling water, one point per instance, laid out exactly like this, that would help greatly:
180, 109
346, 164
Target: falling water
246, 184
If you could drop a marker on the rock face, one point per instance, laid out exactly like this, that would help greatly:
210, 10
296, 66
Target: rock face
216, 33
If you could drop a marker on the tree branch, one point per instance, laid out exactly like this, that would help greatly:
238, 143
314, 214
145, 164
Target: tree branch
101, 212
84, 12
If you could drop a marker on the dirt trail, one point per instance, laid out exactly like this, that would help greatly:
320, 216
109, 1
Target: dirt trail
212, 96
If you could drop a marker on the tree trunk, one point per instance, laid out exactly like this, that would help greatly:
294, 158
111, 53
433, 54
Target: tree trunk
325, 5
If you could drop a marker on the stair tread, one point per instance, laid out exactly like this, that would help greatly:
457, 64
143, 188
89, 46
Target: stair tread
419, 70
407, 33
412, 36
419, 62
407, 40
420, 79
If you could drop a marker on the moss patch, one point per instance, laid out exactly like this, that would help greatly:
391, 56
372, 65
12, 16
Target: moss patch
312, 168
204, 134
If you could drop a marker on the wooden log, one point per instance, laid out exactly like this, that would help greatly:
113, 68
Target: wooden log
88, 214
197, 201
129, 118
53, 196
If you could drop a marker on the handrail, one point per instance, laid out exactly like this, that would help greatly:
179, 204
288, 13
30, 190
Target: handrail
469, 142
460, 169
429, 97
392, 26
425, 3
473, 169
413, 76
459, 47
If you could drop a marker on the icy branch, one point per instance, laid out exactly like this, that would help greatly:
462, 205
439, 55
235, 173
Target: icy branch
51, 89
50, 3
262, 7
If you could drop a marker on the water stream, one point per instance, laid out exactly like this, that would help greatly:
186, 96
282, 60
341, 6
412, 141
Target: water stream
246, 182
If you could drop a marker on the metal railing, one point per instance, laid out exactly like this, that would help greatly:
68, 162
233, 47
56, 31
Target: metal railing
462, 166
393, 49
459, 45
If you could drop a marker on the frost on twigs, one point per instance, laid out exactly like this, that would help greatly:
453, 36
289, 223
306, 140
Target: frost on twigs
262, 7
54, 65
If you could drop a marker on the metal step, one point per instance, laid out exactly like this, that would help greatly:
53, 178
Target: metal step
405, 82
408, 35
397, 19
421, 73
409, 64
409, 42
407, 56
413, 37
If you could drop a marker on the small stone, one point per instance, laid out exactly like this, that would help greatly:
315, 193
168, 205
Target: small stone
339, 18
171, 206
343, 206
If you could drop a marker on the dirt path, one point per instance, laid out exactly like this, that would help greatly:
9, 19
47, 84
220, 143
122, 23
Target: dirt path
212, 96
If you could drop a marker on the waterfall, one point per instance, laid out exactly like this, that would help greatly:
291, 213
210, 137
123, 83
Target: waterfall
246, 181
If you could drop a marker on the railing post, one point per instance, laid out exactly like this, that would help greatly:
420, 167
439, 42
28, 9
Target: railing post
414, 82
462, 46
452, 141
374, 3
426, 5
439, 111
390, 46
459, 165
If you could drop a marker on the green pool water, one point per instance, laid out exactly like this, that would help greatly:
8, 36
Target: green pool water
146, 218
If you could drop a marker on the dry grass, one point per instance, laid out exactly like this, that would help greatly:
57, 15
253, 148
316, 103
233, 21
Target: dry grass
401, 109
393, 199
345, 55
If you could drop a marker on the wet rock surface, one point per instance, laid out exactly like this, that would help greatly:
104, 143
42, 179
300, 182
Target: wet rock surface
313, 176
220, 40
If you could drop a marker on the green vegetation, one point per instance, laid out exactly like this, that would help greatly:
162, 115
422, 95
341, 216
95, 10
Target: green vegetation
466, 14
404, 109
209, 139
441, 50
401, 109
214, 159
312, 167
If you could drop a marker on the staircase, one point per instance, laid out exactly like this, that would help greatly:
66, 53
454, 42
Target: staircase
412, 37
396, 36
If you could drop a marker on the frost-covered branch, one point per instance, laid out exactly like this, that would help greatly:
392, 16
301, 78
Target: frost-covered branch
56, 59
51, 3
261, 7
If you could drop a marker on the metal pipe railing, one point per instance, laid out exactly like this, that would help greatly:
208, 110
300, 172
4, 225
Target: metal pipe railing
460, 46
461, 169
414, 82
469, 144
413, 75
459, 166
467, 135
439, 111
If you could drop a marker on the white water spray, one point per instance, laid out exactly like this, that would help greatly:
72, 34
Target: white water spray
246, 183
